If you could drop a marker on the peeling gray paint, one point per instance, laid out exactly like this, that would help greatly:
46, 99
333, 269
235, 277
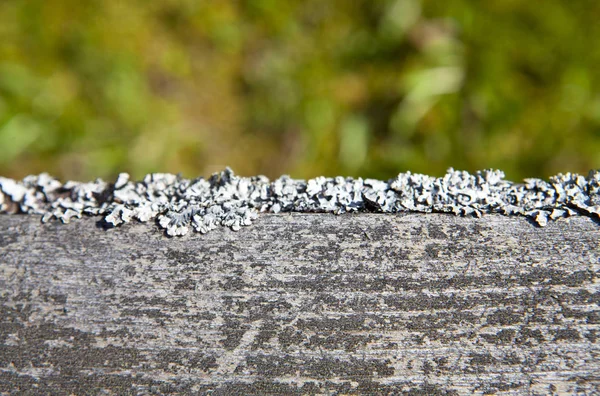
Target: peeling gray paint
225, 199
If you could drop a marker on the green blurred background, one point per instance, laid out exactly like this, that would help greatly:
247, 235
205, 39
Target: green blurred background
312, 87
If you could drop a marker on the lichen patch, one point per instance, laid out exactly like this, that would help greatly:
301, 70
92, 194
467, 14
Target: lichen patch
179, 205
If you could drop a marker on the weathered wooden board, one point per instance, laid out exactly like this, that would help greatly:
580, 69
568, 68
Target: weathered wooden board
302, 304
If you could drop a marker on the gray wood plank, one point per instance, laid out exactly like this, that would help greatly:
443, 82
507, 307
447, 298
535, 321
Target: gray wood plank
302, 304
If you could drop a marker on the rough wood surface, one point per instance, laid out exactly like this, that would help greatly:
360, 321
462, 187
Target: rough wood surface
302, 304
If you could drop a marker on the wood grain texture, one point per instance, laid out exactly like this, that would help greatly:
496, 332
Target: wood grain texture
302, 304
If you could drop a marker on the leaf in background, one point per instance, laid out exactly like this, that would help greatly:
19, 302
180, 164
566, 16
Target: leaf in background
354, 142
17, 135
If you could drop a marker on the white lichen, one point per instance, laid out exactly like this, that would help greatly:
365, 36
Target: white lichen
224, 199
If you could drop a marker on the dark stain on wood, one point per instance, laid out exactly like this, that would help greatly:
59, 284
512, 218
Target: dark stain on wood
302, 304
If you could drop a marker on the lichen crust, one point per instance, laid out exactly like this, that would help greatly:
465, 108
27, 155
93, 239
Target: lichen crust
178, 204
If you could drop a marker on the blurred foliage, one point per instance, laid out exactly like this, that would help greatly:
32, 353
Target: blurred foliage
370, 88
